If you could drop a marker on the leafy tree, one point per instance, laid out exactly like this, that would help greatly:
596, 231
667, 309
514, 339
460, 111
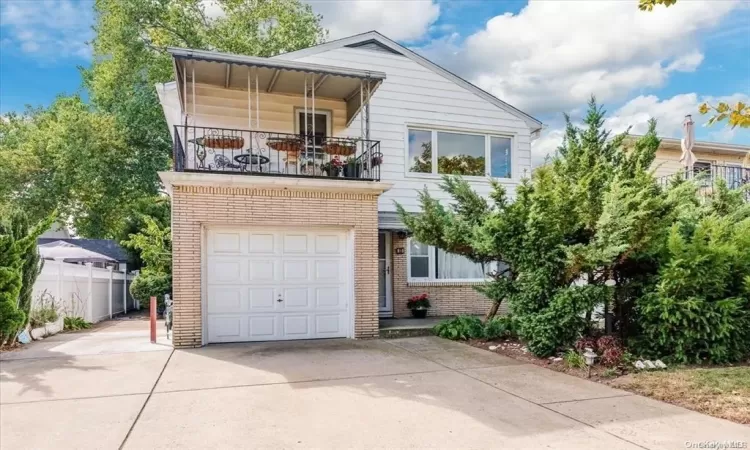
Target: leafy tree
737, 115
76, 160
648, 5
154, 243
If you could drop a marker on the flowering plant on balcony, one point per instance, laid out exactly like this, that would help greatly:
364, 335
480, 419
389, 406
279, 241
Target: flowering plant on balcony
332, 167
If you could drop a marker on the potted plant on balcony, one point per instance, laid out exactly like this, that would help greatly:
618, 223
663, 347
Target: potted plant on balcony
419, 304
352, 168
333, 167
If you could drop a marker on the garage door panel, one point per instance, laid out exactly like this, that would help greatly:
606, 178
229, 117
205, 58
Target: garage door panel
224, 271
295, 298
307, 269
328, 270
295, 243
328, 244
262, 270
262, 299
262, 328
225, 300
225, 328
295, 269
328, 297
295, 326
226, 242
261, 243
328, 324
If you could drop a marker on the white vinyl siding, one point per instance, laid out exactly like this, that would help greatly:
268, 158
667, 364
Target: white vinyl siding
414, 96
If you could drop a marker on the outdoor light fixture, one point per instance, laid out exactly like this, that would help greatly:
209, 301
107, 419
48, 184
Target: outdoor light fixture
590, 356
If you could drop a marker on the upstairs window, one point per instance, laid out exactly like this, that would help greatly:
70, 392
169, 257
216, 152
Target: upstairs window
456, 153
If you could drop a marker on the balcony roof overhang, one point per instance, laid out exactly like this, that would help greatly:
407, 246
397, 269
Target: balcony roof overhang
273, 76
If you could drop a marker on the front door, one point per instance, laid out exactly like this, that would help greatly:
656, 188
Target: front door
385, 299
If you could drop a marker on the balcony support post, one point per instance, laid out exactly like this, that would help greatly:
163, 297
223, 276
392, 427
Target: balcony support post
249, 103
313, 119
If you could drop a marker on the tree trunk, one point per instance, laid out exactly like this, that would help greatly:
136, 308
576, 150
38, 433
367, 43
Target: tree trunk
492, 312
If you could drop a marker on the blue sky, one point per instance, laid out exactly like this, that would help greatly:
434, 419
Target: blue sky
543, 57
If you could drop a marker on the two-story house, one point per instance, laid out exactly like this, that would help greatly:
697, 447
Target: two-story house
286, 170
713, 161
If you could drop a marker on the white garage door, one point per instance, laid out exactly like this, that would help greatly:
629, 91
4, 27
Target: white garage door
265, 284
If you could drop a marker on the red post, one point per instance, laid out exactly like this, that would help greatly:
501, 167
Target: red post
153, 320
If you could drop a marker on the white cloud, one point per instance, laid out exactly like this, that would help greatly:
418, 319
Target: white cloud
402, 20
553, 55
49, 29
669, 114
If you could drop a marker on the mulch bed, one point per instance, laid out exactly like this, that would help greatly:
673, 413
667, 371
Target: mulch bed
517, 350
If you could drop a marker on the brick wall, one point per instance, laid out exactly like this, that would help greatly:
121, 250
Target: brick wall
447, 299
194, 206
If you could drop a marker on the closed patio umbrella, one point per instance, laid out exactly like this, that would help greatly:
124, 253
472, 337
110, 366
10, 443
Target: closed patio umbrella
688, 140
71, 253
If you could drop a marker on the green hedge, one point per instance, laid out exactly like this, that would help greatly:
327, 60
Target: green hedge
150, 284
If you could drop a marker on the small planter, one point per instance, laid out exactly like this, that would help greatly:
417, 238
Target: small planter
49, 329
418, 305
352, 170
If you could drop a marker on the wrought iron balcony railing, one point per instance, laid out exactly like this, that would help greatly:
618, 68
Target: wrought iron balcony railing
247, 152
706, 176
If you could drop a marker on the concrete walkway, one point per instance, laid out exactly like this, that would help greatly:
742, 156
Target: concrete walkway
71, 391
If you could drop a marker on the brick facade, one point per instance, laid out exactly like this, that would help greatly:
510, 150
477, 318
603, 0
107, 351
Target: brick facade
447, 299
194, 206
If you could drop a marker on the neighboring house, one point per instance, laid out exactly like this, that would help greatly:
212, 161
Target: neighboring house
106, 247
286, 173
56, 231
713, 161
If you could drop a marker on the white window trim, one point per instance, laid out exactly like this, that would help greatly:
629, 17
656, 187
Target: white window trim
488, 135
327, 112
432, 276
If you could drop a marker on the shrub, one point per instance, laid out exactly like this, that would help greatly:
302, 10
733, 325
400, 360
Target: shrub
700, 310
76, 323
500, 327
606, 342
574, 359
149, 284
586, 342
460, 328
612, 356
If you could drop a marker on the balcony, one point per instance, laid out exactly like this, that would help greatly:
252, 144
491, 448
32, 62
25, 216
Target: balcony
707, 174
265, 153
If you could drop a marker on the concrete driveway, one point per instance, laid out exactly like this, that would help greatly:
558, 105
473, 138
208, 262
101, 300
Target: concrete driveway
109, 389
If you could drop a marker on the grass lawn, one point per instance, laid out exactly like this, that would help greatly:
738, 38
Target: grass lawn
722, 391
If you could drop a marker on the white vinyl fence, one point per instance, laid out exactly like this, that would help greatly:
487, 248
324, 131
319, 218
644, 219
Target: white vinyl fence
85, 291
